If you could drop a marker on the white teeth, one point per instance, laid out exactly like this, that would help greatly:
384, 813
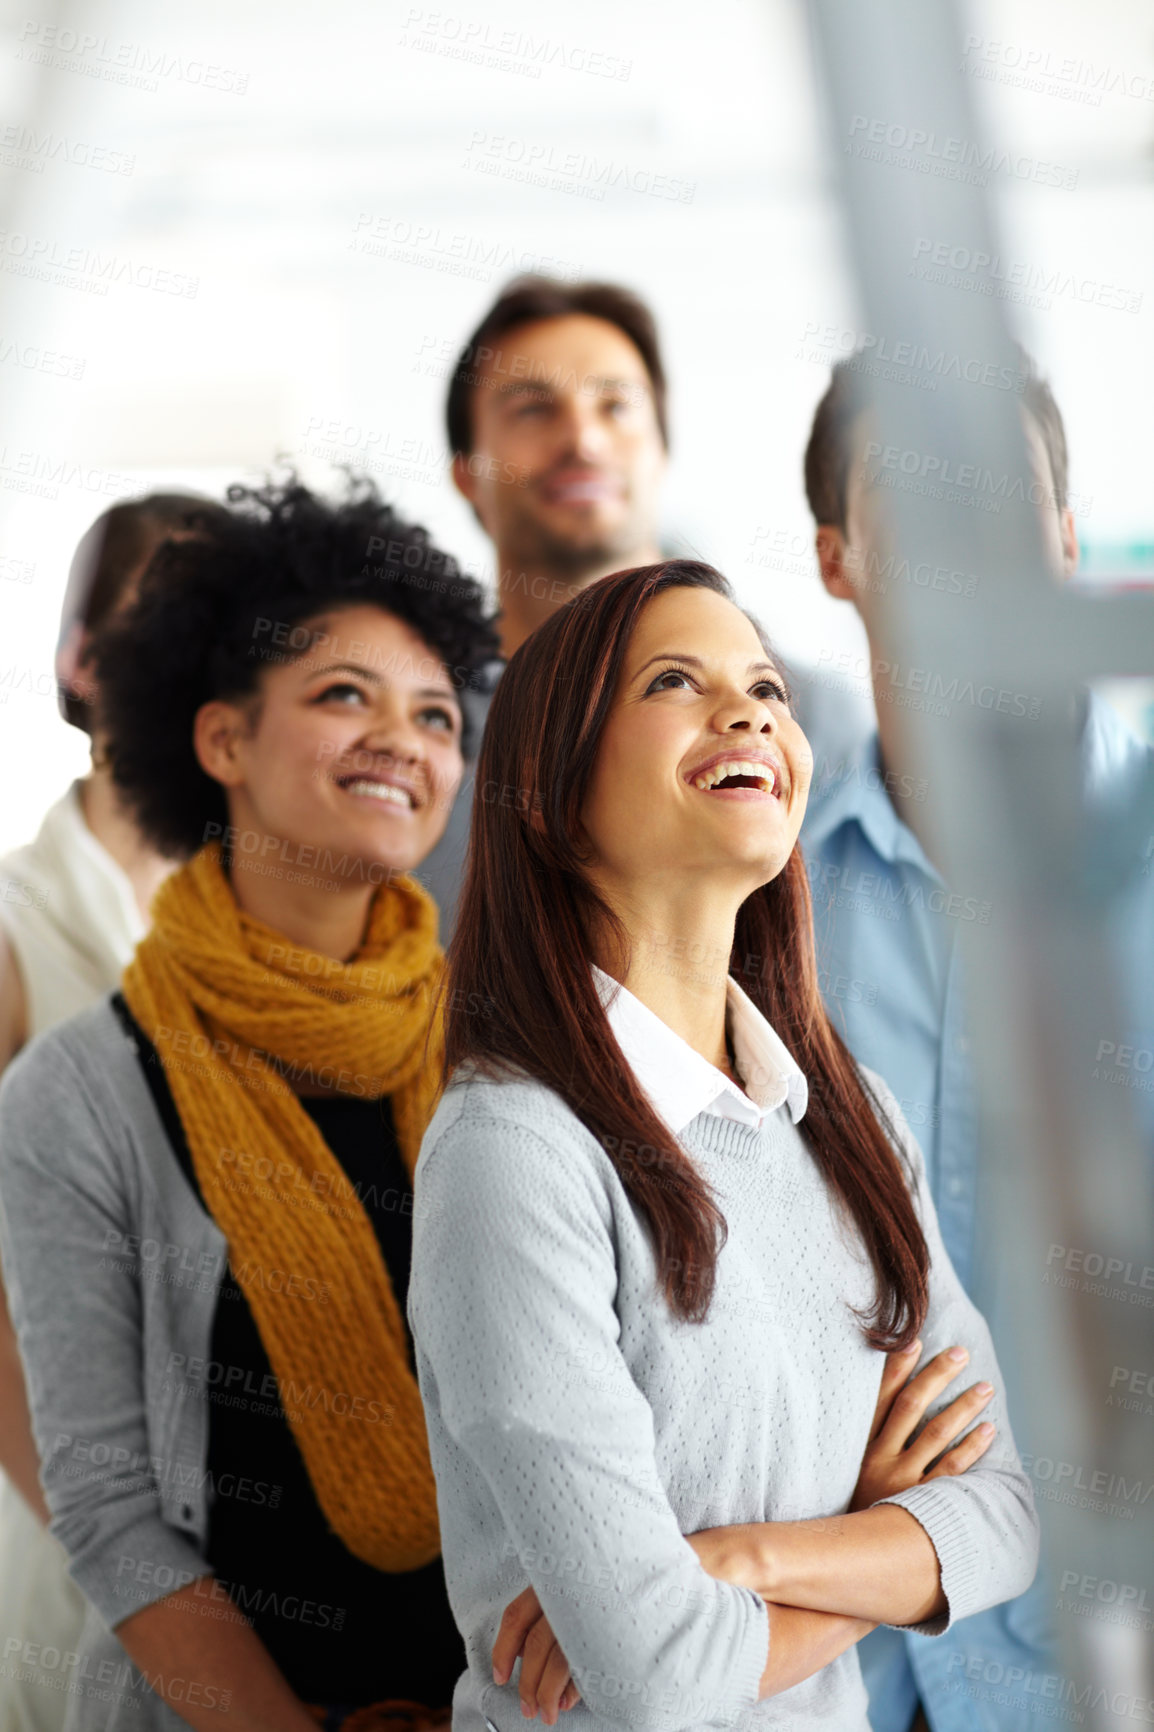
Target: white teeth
381, 791
762, 773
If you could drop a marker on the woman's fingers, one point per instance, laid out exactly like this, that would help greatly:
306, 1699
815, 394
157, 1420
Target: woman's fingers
910, 1403
539, 1685
517, 1620
965, 1454
554, 1683
895, 1372
939, 1433
544, 1685
891, 1461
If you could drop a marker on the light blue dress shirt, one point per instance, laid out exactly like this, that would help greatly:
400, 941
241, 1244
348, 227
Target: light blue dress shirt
887, 929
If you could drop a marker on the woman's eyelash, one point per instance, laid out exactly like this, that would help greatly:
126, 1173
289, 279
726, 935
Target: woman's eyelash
339, 686
343, 686
672, 669
775, 686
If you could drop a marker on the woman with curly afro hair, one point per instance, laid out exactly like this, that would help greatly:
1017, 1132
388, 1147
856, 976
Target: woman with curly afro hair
206, 1177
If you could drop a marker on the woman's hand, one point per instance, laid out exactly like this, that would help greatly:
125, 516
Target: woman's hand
891, 1462
545, 1686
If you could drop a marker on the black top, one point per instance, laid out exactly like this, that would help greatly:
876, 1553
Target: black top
340, 1630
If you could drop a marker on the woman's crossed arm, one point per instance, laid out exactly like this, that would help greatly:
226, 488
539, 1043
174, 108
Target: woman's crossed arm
828, 1582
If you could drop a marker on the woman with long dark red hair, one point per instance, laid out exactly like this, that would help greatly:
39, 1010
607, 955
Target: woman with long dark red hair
675, 1258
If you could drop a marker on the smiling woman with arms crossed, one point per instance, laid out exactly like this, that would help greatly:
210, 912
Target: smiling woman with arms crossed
673, 1251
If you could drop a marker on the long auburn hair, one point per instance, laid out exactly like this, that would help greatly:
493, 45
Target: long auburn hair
521, 997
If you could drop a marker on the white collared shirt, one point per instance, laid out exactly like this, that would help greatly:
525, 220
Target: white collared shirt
680, 1083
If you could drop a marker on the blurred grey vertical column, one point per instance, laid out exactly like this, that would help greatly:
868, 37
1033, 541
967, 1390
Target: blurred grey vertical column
1062, 1162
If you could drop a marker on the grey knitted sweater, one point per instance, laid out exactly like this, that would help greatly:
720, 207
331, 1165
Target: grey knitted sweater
578, 1430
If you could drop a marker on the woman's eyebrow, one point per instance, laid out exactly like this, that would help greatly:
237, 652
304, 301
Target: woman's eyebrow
346, 668
377, 679
696, 662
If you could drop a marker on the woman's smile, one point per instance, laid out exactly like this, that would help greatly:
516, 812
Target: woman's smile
746, 774
390, 790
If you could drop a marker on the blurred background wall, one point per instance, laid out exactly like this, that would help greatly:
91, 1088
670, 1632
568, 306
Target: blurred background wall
231, 235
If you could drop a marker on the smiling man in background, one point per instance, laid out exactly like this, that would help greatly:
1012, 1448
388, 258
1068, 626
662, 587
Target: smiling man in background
557, 422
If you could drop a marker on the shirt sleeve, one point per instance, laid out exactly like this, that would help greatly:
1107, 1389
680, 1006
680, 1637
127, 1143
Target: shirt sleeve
512, 1305
74, 1294
982, 1523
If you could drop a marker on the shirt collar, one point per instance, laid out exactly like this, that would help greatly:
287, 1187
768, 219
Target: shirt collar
680, 1083
1114, 759
857, 793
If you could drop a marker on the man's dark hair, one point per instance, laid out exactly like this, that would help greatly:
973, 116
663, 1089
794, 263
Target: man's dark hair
212, 606
109, 555
527, 300
828, 453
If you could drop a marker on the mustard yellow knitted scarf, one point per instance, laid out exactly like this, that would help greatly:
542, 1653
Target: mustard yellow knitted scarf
237, 1013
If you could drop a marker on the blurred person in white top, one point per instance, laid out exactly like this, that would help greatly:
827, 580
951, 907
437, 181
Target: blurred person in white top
73, 906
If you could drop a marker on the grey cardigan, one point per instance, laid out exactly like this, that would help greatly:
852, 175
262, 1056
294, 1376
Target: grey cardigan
112, 1269
578, 1430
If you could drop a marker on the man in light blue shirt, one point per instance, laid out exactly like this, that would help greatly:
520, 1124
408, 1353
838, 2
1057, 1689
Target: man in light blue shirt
888, 930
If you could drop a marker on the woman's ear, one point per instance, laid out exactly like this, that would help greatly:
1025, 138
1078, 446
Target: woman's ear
583, 845
72, 654
217, 731
830, 546
463, 478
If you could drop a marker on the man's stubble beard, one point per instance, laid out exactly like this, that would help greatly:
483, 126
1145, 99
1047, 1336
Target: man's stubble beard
574, 561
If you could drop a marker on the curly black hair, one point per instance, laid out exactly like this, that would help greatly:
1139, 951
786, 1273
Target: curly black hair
202, 621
